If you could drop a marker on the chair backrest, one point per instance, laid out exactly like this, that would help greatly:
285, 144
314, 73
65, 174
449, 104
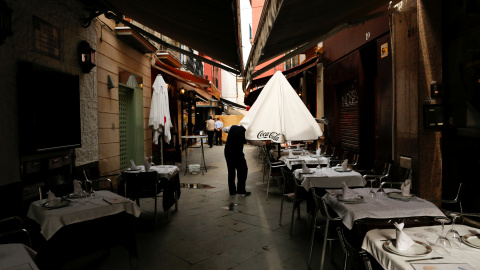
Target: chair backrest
141, 184
358, 259
289, 178
386, 171
322, 206
12, 231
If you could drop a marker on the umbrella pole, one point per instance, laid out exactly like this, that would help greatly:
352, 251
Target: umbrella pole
161, 148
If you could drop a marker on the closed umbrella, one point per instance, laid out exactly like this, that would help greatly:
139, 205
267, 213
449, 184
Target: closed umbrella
159, 119
279, 114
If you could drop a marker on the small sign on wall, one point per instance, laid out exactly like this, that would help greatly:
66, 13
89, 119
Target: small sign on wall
384, 50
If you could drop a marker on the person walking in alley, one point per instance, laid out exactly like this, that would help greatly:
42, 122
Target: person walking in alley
218, 131
210, 130
236, 163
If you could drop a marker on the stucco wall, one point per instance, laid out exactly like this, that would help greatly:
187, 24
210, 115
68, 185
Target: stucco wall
113, 54
65, 15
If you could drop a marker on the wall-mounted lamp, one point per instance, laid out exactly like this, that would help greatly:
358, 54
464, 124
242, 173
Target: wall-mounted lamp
110, 83
140, 84
182, 91
5, 21
87, 56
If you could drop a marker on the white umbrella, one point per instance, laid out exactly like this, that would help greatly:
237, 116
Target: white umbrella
279, 114
159, 118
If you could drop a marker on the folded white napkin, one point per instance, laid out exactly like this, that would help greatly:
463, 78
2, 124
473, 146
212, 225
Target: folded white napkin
77, 187
305, 169
403, 241
345, 165
290, 154
318, 152
347, 193
147, 166
133, 167
52, 200
406, 187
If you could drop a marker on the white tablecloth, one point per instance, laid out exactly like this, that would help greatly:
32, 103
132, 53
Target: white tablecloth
329, 178
164, 171
17, 256
307, 159
89, 208
372, 244
381, 208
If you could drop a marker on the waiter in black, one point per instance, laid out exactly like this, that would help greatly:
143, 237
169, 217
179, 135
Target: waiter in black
236, 163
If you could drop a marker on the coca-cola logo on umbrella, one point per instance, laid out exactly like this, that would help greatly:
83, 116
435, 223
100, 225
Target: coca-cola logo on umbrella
274, 136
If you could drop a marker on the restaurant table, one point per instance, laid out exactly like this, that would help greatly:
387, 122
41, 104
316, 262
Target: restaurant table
17, 256
308, 159
380, 208
171, 192
328, 178
85, 225
82, 209
196, 137
375, 239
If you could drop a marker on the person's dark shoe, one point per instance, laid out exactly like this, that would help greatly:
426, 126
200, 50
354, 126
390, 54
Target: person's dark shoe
211, 146
246, 193
233, 193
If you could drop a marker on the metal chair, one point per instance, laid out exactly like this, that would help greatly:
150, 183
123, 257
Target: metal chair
143, 185
457, 200
383, 175
328, 233
300, 195
12, 231
97, 183
272, 169
359, 260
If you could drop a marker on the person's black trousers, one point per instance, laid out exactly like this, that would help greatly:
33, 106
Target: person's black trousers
218, 137
210, 137
237, 167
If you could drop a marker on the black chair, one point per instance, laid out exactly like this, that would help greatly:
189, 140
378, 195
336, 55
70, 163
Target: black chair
96, 183
329, 234
359, 260
143, 185
272, 168
299, 195
383, 176
457, 200
13, 231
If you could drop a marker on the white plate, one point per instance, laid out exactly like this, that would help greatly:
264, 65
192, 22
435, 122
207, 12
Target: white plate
341, 170
399, 196
62, 203
358, 199
417, 249
311, 171
472, 240
292, 157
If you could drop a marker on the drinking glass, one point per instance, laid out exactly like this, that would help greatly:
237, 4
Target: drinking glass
443, 245
452, 235
371, 194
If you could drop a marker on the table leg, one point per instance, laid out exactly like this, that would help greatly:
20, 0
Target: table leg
186, 157
203, 156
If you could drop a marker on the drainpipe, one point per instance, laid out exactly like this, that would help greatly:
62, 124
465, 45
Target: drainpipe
393, 83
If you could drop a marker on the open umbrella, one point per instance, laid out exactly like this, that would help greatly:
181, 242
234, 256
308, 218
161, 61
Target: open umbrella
159, 119
279, 114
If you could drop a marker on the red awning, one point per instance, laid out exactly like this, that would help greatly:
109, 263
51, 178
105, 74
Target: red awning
183, 75
287, 73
